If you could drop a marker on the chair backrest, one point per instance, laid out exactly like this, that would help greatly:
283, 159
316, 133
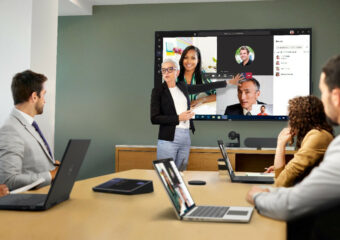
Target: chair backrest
321, 225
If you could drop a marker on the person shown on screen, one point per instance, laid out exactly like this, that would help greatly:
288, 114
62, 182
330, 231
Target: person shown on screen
318, 191
245, 56
25, 155
248, 92
185, 204
191, 72
263, 111
307, 121
173, 194
170, 109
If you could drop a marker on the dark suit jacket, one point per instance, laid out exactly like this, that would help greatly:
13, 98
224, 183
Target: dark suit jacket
163, 111
236, 109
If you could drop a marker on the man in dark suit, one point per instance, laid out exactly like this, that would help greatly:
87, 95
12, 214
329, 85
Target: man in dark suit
248, 92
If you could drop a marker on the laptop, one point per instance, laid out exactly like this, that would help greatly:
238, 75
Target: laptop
61, 187
185, 207
242, 179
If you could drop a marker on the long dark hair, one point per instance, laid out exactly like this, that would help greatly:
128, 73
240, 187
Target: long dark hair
305, 114
198, 69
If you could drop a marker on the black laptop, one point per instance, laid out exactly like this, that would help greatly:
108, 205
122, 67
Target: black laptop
61, 187
242, 179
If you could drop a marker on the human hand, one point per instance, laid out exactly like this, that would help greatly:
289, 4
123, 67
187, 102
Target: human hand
57, 163
184, 116
269, 169
54, 172
3, 190
253, 191
235, 80
196, 103
284, 137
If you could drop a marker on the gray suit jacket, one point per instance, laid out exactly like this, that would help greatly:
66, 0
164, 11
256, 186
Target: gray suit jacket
23, 154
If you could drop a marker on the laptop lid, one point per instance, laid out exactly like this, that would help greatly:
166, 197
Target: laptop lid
226, 158
243, 179
68, 171
174, 186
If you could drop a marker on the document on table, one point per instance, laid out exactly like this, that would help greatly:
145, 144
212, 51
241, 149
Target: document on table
28, 187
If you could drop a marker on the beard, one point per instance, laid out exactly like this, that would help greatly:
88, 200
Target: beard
39, 109
331, 117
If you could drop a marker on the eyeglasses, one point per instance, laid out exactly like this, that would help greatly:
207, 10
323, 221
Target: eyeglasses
169, 70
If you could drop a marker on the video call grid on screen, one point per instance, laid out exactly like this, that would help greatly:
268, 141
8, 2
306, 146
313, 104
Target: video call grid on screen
279, 59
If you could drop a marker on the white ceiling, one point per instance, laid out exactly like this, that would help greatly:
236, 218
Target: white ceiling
84, 7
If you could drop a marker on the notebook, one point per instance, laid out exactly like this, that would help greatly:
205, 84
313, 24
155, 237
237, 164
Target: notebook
61, 187
183, 204
242, 179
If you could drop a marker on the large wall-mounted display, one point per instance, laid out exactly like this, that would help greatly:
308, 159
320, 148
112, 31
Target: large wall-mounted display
278, 59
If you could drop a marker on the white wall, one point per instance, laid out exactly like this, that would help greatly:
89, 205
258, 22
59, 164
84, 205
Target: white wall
15, 47
28, 40
44, 58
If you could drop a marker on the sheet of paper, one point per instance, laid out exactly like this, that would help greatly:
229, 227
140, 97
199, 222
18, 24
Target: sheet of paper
28, 187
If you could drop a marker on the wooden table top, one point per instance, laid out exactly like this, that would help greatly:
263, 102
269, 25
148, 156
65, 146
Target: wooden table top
93, 215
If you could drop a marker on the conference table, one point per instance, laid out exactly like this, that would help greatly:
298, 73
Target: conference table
94, 215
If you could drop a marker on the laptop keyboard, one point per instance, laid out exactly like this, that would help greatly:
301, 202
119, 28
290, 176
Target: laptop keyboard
209, 211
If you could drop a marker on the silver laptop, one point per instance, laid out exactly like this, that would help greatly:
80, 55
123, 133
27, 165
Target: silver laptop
242, 179
185, 206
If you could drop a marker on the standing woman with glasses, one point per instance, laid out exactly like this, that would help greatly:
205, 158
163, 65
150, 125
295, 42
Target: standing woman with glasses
170, 109
191, 72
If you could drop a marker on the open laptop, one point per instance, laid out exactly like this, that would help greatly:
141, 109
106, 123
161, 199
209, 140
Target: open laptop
242, 179
185, 206
61, 187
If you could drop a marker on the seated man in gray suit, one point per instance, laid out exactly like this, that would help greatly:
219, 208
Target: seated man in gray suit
25, 155
248, 92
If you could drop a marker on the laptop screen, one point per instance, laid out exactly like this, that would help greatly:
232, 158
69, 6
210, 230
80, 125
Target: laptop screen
174, 185
225, 155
